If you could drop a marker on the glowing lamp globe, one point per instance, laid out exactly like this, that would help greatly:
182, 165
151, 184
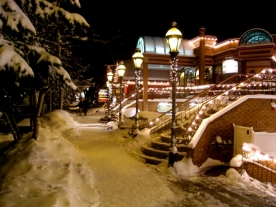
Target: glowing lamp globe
109, 76
138, 58
121, 69
174, 37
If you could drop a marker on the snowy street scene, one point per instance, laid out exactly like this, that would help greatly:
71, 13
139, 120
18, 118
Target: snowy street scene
76, 165
104, 105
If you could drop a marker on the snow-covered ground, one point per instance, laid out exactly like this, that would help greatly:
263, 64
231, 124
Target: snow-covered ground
76, 164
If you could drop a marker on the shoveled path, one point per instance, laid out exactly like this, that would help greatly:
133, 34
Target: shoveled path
121, 179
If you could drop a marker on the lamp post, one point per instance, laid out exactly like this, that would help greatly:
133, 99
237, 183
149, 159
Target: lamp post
121, 71
138, 61
173, 37
109, 92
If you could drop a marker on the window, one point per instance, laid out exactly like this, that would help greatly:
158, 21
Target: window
255, 36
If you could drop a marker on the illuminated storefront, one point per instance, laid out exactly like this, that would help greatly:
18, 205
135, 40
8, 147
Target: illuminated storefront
202, 60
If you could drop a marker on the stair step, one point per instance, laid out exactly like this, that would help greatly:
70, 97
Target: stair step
161, 154
149, 159
160, 145
180, 141
155, 152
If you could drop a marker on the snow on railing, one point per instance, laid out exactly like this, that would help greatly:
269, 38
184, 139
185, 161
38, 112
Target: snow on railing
253, 153
261, 160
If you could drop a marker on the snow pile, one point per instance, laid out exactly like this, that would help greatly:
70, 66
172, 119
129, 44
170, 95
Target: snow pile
129, 112
143, 137
185, 167
49, 171
150, 115
61, 121
236, 161
112, 125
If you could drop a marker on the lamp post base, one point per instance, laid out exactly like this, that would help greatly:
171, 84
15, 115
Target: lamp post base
134, 131
173, 157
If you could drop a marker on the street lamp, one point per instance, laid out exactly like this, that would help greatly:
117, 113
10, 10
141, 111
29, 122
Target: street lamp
173, 37
109, 76
121, 71
109, 92
137, 60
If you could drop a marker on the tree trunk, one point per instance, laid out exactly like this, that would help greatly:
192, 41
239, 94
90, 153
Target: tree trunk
37, 115
16, 127
59, 43
33, 108
11, 127
61, 98
50, 100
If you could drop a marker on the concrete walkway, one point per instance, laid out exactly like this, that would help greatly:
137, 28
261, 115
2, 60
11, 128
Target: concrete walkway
92, 119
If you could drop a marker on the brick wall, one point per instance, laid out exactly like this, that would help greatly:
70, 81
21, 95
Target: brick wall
254, 113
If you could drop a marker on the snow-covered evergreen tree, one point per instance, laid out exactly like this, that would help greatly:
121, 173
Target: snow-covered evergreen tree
21, 51
53, 22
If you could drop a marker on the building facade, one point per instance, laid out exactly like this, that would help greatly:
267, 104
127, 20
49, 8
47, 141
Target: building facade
202, 60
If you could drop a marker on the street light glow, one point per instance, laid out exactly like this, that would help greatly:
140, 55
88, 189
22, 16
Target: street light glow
121, 69
174, 37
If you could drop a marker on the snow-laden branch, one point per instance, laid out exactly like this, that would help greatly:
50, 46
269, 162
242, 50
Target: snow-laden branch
47, 10
66, 77
9, 59
13, 17
59, 72
70, 2
47, 57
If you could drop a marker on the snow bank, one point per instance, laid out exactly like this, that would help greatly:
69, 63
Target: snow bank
50, 169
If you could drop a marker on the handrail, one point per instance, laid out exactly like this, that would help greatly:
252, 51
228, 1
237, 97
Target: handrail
184, 107
236, 91
125, 102
229, 90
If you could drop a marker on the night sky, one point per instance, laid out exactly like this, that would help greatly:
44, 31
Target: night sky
129, 21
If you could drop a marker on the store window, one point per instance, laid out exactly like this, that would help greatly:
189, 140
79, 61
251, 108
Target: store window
187, 77
208, 75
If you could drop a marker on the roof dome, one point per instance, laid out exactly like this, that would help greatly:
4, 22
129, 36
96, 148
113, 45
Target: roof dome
158, 45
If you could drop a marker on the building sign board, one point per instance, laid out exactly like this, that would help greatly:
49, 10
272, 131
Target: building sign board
230, 66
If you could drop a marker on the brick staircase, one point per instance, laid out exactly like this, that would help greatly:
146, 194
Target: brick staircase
158, 149
209, 102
